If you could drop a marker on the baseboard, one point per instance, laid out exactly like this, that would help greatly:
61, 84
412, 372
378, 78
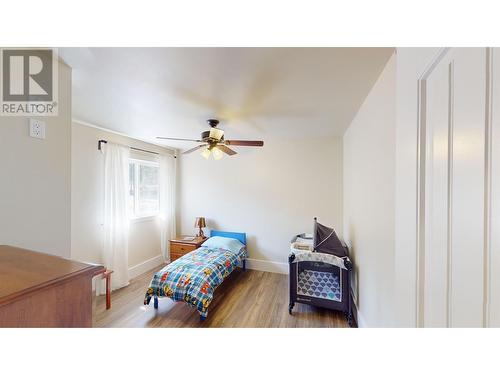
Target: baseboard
254, 264
145, 266
267, 266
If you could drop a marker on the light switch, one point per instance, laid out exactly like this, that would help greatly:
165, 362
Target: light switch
37, 128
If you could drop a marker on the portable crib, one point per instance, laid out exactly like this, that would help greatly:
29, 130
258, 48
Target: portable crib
320, 275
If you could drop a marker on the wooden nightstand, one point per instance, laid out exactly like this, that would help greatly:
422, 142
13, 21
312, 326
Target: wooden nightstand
180, 247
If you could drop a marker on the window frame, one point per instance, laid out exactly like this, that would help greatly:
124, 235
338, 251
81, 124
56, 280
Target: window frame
134, 217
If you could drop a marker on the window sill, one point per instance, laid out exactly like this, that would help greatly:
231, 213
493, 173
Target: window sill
141, 219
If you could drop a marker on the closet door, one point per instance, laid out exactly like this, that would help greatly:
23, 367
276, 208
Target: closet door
453, 119
467, 186
493, 252
437, 101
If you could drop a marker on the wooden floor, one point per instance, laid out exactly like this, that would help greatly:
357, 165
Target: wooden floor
245, 299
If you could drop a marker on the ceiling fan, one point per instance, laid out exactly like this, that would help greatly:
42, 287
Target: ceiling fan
213, 142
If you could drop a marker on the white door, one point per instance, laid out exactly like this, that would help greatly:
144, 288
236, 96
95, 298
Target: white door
493, 170
459, 255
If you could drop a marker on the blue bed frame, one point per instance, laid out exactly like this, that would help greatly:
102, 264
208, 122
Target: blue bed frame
242, 237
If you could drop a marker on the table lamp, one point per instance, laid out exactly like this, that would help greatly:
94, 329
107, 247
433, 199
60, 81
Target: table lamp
200, 223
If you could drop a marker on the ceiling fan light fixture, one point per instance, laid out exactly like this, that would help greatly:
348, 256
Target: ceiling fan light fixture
212, 141
217, 153
206, 153
216, 134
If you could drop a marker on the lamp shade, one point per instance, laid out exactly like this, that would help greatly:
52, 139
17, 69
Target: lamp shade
217, 153
206, 153
200, 222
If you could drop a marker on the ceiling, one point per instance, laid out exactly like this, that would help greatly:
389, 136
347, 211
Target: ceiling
257, 93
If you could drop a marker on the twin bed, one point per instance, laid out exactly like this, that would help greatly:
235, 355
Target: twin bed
194, 277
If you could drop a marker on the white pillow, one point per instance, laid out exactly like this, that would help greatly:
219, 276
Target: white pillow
218, 242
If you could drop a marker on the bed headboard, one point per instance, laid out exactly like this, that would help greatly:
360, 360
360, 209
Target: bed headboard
242, 237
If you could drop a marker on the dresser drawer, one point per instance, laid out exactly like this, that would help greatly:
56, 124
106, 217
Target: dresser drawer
179, 249
182, 247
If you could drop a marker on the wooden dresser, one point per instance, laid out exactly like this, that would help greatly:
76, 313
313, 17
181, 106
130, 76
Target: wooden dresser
42, 290
180, 247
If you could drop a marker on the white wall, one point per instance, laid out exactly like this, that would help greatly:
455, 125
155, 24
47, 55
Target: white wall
35, 179
271, 193
87, 202
369, 185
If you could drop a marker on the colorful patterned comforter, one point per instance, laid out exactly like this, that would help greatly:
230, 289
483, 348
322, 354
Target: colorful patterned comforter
194, 277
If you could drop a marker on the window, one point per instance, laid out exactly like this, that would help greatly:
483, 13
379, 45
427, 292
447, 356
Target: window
144, 196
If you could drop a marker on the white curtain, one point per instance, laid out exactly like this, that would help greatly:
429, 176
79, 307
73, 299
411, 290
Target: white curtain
116, 220
167, 202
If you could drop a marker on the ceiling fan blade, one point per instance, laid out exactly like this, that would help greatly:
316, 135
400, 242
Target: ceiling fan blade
193, 149
244, 143
226, 149
180, 139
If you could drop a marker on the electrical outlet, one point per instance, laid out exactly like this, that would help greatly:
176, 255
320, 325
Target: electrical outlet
37, 128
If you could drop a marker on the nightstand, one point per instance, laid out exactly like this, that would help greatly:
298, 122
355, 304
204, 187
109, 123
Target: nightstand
180, 246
